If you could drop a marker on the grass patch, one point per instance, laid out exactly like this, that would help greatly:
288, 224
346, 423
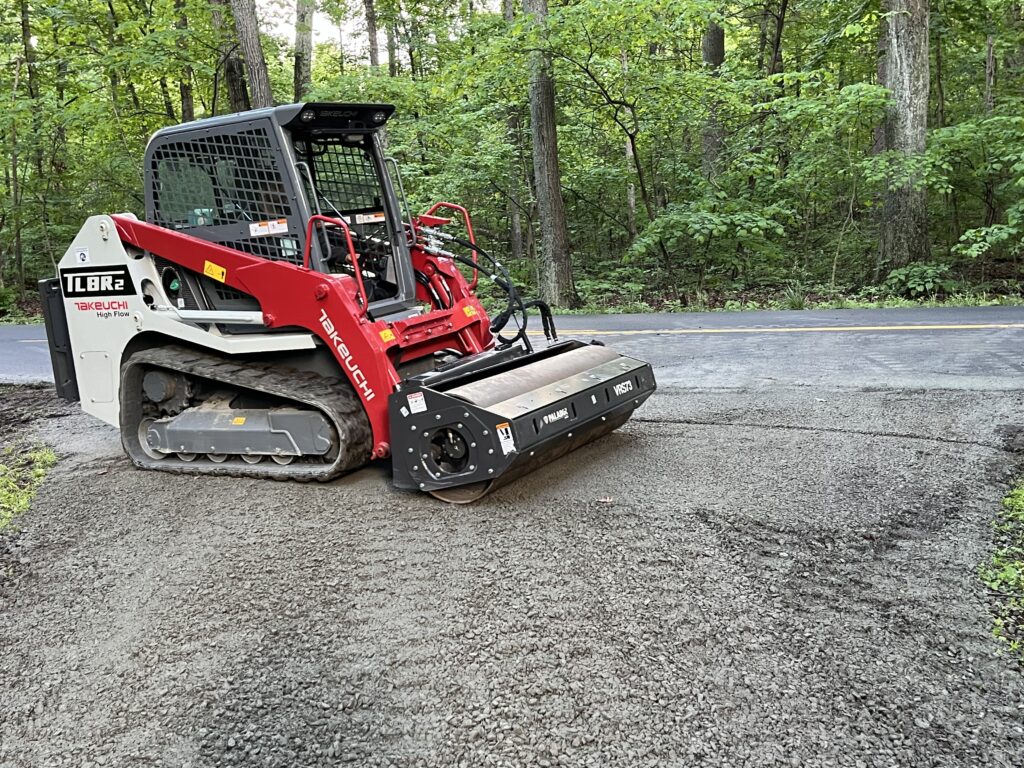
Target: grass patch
21, 472
1004, 574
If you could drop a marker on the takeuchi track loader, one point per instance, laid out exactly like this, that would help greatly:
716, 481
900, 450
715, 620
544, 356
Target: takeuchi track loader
279, 314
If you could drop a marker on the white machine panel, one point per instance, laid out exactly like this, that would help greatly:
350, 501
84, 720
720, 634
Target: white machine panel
111, 295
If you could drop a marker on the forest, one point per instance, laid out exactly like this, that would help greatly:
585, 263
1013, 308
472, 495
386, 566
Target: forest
616, 154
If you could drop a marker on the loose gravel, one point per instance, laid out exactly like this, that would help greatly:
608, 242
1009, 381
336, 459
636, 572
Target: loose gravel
755, 577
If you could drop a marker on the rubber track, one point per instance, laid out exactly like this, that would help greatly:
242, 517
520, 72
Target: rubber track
333, 397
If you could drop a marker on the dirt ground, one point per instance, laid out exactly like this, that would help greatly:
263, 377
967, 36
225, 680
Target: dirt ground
22, 406
738, 577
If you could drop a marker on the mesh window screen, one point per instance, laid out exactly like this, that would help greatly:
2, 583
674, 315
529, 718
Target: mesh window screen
344, 174
347, 180
228, 180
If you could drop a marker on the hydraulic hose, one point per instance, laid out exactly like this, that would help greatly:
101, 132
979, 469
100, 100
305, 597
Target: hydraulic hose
515, 303
506, 284
515, 306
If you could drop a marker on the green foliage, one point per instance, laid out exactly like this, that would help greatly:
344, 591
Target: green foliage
1004, 573
619, 286
790, 192
8, 302
919, 280
794, 297
21, 472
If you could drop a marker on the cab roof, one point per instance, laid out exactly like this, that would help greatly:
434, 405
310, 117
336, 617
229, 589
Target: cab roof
309, 116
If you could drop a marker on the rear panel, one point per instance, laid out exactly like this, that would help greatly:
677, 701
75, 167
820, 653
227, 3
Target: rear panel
61, 357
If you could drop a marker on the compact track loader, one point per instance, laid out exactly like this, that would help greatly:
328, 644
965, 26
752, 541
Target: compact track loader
279, 314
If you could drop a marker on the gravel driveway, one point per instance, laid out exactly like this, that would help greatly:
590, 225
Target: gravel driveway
754, 577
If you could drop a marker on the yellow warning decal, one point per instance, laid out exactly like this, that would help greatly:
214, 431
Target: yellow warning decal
216, 271
238, 421
470, 311
387, 335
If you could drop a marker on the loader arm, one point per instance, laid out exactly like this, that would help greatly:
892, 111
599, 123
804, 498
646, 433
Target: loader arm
328, 306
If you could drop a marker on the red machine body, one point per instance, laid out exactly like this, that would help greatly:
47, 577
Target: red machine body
331, 307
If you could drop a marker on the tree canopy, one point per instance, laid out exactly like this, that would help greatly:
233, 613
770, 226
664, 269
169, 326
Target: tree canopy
706, 151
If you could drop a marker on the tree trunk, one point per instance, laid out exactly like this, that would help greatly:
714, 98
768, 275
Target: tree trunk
234, 72
992, 213
904, 231
371, 32
57, 157
19, 261
392, 50
29, 51
238, 89
881, 77
630, 193
248, 30
188, 105
940, 93
631, 163
990, 74
341, 48
412, 37
32, 84
556, 281
775, 65
762, 37
168, 104
712, 139
303, 46
517, 248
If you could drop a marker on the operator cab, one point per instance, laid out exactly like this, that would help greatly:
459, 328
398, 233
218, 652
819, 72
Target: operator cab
252, 180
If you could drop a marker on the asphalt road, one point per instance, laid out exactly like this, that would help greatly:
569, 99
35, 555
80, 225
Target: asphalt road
24, 356
958, 347
774, 563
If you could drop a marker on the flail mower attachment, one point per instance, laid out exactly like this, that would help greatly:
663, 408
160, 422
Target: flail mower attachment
461, 431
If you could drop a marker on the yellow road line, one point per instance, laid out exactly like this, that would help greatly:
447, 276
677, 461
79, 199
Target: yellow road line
807, 329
